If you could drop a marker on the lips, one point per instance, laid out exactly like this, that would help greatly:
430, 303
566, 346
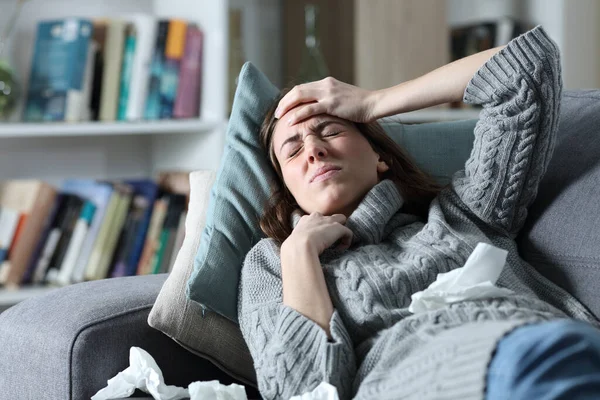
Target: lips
323, 170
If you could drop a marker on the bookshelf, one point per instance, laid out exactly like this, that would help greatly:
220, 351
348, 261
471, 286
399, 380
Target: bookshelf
134, 149
60, 129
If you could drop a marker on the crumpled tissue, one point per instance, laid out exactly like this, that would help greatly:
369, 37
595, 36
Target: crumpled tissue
143, 373
324, 391
475, 280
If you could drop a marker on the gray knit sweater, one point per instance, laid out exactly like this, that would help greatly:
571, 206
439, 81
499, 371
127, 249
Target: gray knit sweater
379, 349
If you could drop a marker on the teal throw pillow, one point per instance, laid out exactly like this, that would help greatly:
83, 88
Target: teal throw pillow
237, 198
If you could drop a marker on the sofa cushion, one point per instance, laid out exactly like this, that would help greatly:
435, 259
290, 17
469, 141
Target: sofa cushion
560, 237
206, 334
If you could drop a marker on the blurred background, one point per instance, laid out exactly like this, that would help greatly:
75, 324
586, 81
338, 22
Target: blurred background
377, 43
126, 97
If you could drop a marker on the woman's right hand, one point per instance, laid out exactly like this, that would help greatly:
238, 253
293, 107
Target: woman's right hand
327, 96
319, 232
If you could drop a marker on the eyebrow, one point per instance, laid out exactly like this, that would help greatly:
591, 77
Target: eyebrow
317, 129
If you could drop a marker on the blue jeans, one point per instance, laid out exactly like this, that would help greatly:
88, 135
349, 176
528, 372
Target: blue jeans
549, 360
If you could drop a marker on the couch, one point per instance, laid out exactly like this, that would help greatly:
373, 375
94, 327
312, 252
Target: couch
67, 343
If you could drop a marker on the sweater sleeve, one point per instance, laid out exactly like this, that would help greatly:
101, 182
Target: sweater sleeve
292, 354
519, 89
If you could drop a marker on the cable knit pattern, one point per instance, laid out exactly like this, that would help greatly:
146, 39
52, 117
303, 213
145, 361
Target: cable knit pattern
520, 91
379, 349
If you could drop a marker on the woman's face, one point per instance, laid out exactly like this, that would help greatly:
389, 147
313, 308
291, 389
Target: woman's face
327, 164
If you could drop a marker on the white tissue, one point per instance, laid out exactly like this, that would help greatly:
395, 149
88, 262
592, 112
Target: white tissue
324, 391
213, 390
475, 280
143, 373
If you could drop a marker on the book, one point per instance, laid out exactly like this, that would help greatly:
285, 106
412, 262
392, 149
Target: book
34, 199
145, 28
187, 101
100, 28
111, 74
150, 190
58, 68
99, 193
166, 237
9, 219
105, 251
5, 265
125, 244
56, 229
91, 271
48, 225
82, 226
151, 243
66, 226
173, 54
126, 71
79, 107
156, 71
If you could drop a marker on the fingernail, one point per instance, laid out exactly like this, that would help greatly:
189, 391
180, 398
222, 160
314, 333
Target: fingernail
277, 113
289, 122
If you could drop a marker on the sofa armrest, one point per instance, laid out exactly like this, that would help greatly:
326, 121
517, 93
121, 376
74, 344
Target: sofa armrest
67, 343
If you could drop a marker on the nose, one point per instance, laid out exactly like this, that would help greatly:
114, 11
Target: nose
315, 150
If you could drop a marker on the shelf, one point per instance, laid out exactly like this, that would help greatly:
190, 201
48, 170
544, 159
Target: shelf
10, 297
442, 115
57, 129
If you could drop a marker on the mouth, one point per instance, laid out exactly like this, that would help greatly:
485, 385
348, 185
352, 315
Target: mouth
324, 173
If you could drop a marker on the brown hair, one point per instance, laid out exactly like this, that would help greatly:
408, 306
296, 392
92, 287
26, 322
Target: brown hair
417, 187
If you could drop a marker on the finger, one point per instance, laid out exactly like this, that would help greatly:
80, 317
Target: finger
339, 218
298, 95
345, 241
301, 113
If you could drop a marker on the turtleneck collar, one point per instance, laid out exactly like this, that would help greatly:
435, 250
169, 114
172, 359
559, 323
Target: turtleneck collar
368, 221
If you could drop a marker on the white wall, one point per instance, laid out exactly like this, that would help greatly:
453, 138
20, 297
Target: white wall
573, 25
468, 11
261, 19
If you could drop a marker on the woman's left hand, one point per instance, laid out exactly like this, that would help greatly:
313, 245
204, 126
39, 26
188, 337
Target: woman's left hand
327, 96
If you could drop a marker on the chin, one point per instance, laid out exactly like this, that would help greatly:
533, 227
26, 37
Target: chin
336, 200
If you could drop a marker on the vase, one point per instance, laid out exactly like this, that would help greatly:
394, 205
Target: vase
10, 90
313, 66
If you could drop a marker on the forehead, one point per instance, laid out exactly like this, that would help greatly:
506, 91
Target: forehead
283, 130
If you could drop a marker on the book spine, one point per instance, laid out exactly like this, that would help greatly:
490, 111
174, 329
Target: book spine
146, 35
115, 232
91, 270
158, 215
67, 228
9, 219
111, 77
43, 238
56, 73
173, 54
187, 102
79, 232
76, 102
156, 70
126, 70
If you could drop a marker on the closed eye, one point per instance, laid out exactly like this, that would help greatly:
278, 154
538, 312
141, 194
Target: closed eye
293, 153
332, 134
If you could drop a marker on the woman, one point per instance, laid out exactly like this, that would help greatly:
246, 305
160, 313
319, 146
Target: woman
355, 229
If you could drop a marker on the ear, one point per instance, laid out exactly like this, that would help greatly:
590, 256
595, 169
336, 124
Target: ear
382, 166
